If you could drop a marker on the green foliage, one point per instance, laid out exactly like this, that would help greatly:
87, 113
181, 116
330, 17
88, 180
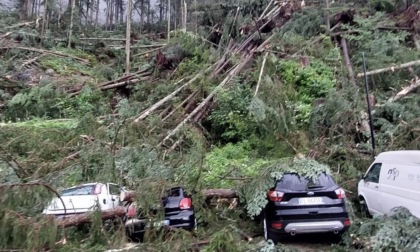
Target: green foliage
315, 81
90, 100
231, 119
396, 232
383, 5
224, 165
21, 225
307, 23
36, 102
382, 47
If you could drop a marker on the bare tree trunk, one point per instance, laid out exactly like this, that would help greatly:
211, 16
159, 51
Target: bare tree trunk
73, 3
60, 10
106, 15
97, 14
347, 61
127, 37
169, 18
184, 15
327, 15
121, 12
44, 21
141, 13
117, 11
111, 15
148, 11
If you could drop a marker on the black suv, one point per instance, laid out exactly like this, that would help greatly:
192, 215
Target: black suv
297, 205
178, 213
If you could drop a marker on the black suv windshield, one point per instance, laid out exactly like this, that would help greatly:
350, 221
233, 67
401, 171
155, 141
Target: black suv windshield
294, 182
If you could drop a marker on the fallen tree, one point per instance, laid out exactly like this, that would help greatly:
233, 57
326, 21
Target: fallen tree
76, 220
130, 196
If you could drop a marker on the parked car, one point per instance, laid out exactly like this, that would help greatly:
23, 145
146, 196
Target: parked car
392, 180
177, 212
83, 198
298, 205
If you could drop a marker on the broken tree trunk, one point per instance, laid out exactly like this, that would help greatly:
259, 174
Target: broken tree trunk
413, 87
261, 73
347, 61
76, 220
150, 110
391, 68
231, 74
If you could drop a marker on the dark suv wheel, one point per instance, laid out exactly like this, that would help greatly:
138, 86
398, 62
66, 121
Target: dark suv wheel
270, 235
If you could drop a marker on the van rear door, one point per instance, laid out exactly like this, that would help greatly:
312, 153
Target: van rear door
371, 188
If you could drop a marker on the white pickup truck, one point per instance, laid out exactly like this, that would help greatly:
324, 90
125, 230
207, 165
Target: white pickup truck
84, 198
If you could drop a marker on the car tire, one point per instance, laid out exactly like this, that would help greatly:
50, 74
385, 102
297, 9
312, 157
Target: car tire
269, 235
364, 210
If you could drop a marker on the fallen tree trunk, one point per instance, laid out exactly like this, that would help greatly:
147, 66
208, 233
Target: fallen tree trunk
46, 52
413, 87
75, 220
219, 193
231, 74
391, 68
130, 196
347, 61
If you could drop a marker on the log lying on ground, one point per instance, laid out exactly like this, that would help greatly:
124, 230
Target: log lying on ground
391, 68
87, 217
219, 193
42, 51
129, 196
413, 87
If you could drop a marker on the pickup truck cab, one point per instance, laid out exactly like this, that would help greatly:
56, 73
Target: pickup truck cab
392, 180
84, 198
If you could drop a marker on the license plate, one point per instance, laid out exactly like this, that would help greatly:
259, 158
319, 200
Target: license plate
311, 201
158, 223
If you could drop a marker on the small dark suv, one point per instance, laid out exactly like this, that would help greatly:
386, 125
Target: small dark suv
178, 213
297, 205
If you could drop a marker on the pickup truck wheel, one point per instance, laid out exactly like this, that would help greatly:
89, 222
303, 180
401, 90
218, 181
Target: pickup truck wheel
269, 235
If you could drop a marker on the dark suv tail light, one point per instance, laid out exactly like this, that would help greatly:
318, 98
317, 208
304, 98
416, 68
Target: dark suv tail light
185, 203
341, 194
275, 196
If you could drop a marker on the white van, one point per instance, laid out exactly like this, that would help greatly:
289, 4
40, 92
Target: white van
393, 180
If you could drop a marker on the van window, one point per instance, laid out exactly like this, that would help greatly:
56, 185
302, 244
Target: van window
373, 173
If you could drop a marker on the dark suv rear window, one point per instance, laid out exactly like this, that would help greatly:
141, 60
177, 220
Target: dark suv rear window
294, 182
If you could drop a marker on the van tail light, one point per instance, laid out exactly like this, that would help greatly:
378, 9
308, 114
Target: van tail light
131, 211
185, 203
275, 196
341, 194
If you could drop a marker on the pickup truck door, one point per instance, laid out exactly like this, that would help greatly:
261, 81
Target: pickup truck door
114, 194
371, 189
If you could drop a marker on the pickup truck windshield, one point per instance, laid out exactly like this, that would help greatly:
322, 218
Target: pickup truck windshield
80, 190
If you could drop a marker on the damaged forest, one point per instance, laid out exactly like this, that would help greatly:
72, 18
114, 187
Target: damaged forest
216, 96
